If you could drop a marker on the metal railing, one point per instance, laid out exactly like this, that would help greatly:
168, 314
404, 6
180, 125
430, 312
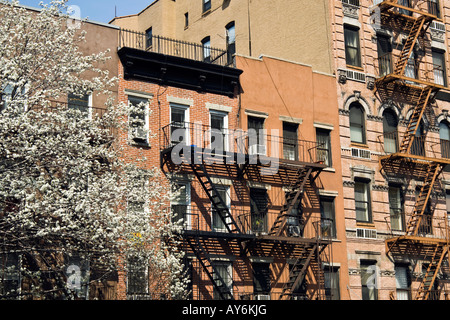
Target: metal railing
423, 146
430, 226
430, 6
415, 69
173, 47
252, 143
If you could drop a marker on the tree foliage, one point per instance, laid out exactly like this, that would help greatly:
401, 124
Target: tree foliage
67, 197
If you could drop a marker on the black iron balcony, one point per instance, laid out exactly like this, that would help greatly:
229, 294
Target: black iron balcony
173, 47
249, 143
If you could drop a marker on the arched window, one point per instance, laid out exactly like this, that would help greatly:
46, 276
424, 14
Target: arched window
390, 124
357, 123
444, 133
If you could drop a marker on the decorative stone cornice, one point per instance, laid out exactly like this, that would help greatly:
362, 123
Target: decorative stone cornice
374, 118
380, 187
349, 184
344, 112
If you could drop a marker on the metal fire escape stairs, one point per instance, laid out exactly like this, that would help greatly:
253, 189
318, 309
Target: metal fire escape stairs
433, 169
293, 196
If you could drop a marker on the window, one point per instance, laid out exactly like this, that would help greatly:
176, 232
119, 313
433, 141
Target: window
219, 131
9, 274
138, 119
186, 19
224, 270
256, 136
405, 3
327, 214
82, 103
418, 145
396, 207
137, 280
369, 280
434, 8
390, 124
218, 224
439, 70
426, 223
259, 200
357, 123
206, 45
261, 279
403, 281
444, 134
384, 54
149, 37
179, 118
181, 204
290, 141
331, 277
231, 42
447, 203
352, 48
362, 201
78, 266
411, 69
206, 5
323, 138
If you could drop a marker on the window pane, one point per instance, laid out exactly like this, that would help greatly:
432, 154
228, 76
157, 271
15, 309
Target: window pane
77, 102
352, 53
357, 124
362, 202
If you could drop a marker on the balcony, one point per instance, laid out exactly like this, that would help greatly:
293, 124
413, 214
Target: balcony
172, 47
416, 72
422, 146
177, 63
231, 146
428, 8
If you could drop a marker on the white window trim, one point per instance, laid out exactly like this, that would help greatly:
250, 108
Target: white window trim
187, 184
225, 124
186, 109
227, 190
147, 115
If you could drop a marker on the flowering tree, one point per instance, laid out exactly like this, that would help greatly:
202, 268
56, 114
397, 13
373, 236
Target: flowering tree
72, 212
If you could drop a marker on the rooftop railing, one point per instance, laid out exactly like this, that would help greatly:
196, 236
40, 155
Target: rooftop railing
220, 142
172, 47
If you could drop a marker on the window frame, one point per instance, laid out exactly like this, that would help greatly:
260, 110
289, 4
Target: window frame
146, 126
149, 38
368, 201
206, 49
332, 226
362, 126
350, 30
206, 6
325, 132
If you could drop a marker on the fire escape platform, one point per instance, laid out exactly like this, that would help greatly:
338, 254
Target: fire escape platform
416, 159
235, 165
406, 81
387, 5
419, 246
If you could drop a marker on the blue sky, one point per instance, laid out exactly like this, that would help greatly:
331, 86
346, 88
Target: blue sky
100, 10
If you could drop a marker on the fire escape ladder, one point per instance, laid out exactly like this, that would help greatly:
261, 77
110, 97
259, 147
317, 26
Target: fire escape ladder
297, 274
415, 120
409, 45
429, 278
292, 197
433, 172
214, 276
218, 204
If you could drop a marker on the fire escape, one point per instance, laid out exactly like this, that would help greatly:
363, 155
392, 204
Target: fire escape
284, 233
418, 89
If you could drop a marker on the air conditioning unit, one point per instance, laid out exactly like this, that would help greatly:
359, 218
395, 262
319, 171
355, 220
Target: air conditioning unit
139, 134
294, 231
361, 153
258, 149
366, 233
356, 76
262, 297
437, 26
